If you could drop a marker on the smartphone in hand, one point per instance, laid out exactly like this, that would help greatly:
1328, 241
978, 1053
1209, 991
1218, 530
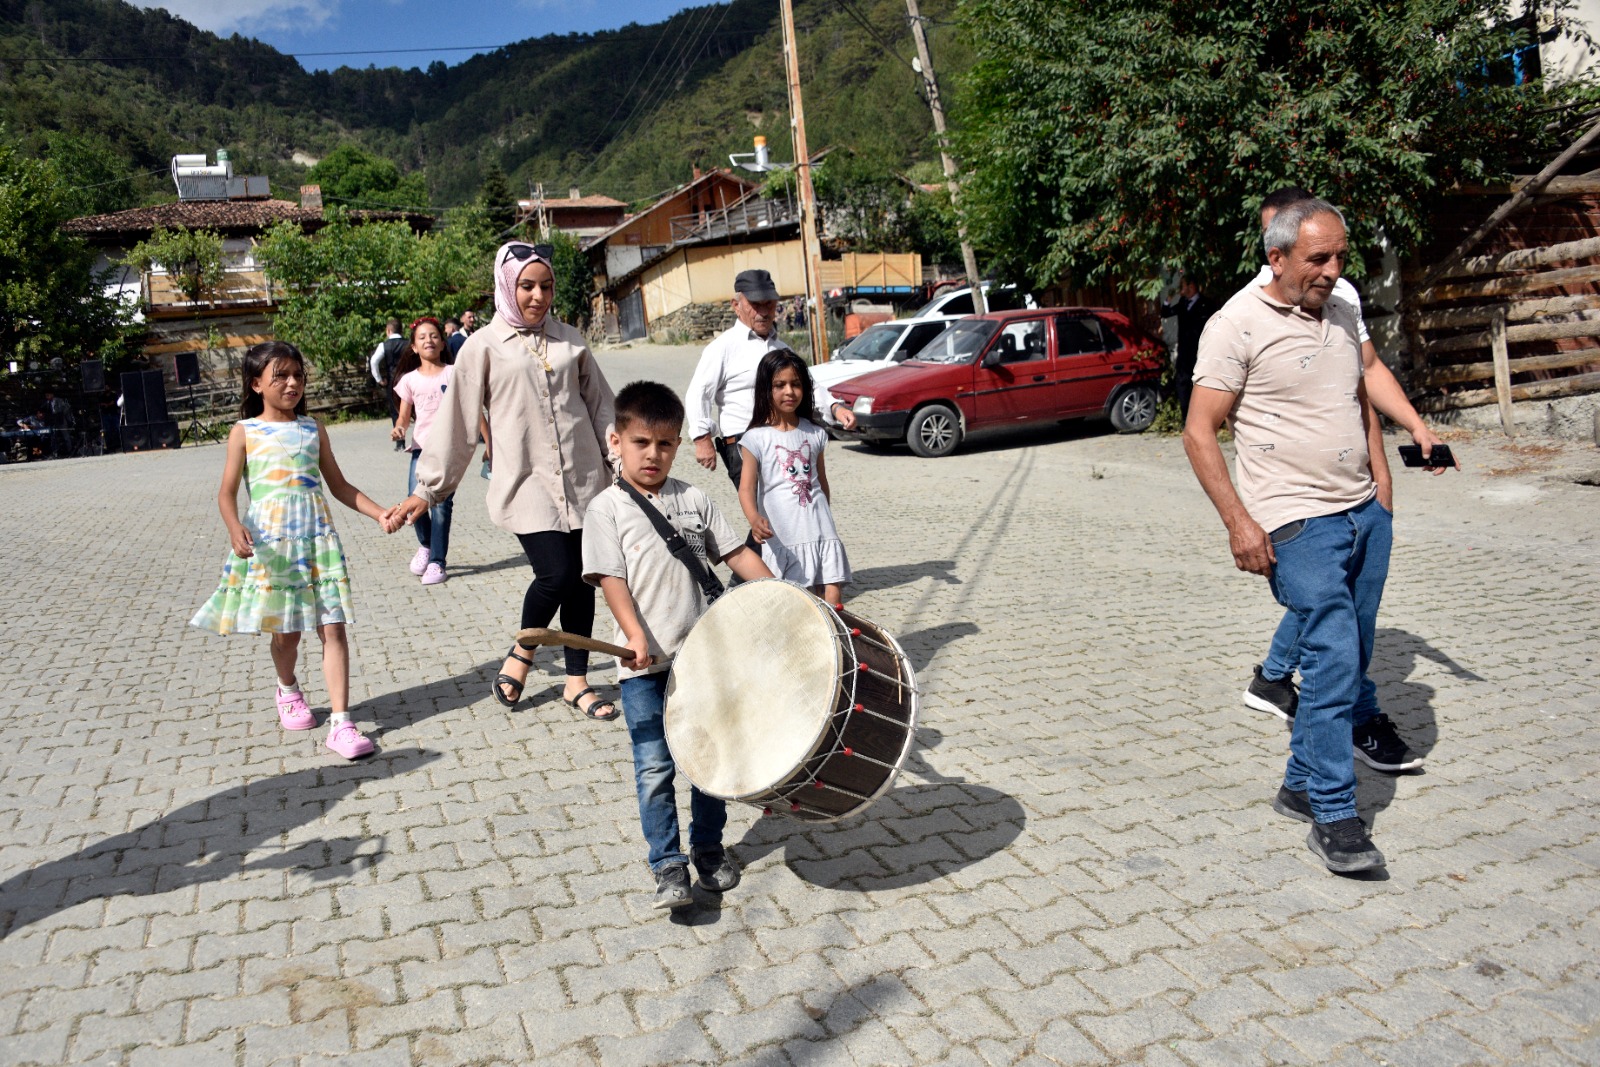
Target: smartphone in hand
1411, 456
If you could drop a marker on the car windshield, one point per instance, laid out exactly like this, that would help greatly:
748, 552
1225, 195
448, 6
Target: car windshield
960, 343
874, 343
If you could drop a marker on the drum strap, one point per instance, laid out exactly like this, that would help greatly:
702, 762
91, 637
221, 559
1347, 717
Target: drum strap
708, 582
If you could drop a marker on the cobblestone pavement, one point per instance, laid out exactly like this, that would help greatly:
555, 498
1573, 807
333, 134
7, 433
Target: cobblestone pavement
1079, 866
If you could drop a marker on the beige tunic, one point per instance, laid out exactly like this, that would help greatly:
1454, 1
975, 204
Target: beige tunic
547, 428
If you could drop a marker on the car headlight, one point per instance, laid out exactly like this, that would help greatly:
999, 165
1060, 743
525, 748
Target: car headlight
862, 406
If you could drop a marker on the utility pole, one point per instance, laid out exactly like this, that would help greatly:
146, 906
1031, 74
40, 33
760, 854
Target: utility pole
811, 245
969, 259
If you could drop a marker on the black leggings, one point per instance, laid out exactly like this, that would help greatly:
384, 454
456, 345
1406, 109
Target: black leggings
557, 561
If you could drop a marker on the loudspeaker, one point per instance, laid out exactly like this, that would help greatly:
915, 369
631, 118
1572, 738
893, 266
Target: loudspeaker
187, 365
94, 375
144, 397
144, 436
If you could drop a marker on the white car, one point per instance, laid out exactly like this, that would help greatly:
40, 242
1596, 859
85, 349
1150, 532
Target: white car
880, 345
957, 303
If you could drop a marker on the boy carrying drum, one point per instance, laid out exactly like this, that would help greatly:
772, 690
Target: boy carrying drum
656, 594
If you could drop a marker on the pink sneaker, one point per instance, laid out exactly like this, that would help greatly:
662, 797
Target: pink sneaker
348, 741
434, 575
293, 714
419, 562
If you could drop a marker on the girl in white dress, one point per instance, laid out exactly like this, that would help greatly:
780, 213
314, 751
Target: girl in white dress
784, 490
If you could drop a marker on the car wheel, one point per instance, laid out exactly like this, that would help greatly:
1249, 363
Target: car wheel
934, 431
1134, 408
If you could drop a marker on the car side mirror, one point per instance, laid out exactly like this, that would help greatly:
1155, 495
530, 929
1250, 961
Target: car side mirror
991, 358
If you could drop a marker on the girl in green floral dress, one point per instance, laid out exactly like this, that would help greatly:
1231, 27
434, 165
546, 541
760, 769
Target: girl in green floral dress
286, 573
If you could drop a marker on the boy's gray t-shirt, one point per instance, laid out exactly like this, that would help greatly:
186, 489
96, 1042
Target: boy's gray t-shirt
620, 542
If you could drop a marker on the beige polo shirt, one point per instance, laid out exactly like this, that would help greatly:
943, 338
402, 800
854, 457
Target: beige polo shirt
619, 541
1296, 416
548, 429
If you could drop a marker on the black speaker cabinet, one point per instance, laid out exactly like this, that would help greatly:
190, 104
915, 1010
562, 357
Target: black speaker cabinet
144, 397
136, 437
187, 365
94, 375
165, 434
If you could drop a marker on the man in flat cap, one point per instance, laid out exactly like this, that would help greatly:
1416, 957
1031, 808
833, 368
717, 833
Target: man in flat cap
726, 375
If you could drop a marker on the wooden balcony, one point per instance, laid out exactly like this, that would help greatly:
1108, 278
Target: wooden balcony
240, 288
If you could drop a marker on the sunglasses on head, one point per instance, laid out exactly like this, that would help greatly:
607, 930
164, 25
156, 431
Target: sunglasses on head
520, 252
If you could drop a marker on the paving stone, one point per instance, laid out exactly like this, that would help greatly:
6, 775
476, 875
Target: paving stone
1079, 864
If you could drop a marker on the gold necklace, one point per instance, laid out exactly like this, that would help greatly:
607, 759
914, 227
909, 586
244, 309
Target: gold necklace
539, 349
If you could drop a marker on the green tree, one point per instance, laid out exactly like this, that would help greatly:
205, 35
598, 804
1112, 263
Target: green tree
52, 302
352, 176
343, 281
497, 199
1111, 139
864, 201
193, 258
574, 280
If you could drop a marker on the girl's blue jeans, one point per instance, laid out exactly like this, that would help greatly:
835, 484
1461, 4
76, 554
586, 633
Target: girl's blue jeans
643, 703
1329, 577
433, 529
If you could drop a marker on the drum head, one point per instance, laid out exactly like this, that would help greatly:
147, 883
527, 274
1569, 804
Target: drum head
753, 688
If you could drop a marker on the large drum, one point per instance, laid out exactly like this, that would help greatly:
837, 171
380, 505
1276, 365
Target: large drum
780, 701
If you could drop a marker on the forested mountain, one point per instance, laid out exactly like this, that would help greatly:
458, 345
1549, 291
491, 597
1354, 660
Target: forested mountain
627, 112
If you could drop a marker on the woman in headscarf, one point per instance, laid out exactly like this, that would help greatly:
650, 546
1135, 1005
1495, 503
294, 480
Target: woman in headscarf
549, 415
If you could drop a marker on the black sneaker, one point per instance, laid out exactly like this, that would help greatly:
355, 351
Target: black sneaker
672, 886
1295, 803
1280, 698
1381, 748
717, 872
1344, 846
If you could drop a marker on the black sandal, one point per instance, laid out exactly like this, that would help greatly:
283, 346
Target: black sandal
506, 679
598, 702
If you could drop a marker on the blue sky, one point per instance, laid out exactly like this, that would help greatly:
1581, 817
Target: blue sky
302, 26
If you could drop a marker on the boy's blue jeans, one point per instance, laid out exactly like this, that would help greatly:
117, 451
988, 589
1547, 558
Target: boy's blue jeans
433, 528
1329, 576
643, 701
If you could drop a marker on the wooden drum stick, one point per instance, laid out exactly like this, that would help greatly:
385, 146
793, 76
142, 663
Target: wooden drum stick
539, 635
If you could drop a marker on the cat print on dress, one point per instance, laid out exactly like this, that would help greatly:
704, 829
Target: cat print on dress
797, 469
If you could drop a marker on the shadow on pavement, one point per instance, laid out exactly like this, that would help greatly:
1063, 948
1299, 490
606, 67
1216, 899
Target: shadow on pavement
506, 564
1409, 704
209, 840
922, 645
871, 579
913, 835
407, 707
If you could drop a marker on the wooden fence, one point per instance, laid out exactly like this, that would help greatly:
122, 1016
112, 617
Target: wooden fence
1518, 325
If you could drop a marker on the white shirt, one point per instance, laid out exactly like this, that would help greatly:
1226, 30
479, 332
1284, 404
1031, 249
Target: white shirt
1341, 288
726, 376
375, 364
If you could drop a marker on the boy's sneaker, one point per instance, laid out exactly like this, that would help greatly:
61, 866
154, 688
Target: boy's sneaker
1380, 747
1345, 846
419, 562
348, 741
672, 886
1279, 698
293, 714
1295, 803
717, 872
434, 575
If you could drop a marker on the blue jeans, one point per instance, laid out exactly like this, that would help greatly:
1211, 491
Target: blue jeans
643, 700
1329, 576
433, 529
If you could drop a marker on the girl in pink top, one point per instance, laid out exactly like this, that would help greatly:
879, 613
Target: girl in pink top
422, 379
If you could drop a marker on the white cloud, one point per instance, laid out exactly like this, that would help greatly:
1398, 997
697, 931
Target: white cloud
247, 16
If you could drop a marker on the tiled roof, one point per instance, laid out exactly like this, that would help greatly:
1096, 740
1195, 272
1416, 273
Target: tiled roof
223, 215
557, 203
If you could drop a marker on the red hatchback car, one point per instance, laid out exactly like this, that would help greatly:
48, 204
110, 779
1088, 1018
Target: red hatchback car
1009, 368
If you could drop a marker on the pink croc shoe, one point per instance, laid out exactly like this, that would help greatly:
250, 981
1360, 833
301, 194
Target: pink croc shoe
293, 714
435, 575
348, 741
419, 562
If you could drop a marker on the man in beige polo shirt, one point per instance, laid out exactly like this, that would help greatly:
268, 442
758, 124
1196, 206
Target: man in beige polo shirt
1281, 364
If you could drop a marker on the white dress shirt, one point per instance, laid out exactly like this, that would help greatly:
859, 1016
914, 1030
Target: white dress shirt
726, 377
375, 364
